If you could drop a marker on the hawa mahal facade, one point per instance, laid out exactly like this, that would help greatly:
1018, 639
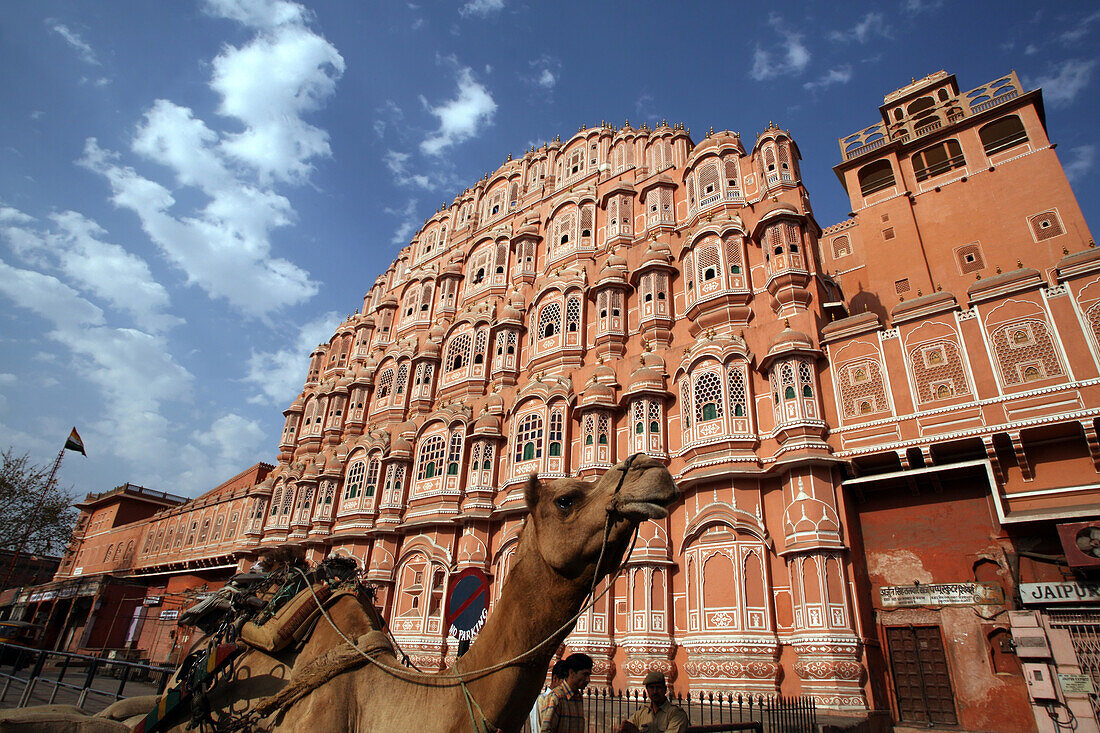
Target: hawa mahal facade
879, 427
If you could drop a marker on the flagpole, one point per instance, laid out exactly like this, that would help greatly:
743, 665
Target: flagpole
30, 523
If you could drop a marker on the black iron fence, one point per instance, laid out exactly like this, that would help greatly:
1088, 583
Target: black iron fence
707, 712
36, 677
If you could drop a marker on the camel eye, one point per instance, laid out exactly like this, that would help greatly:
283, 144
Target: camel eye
565, 503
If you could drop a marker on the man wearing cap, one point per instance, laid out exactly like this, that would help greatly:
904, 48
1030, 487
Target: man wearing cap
659, 715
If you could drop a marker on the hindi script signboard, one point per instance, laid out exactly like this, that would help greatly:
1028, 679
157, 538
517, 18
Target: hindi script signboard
940, 594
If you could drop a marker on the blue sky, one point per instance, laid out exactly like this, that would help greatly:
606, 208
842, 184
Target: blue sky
193, 194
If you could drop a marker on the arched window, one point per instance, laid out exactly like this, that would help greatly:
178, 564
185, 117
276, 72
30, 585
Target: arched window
937, 159
708, 397
385, 383
431, 457
1002, 134
875, 177
550, 320
529, 438
556, 424
458, 354
353, 482
454, 453
573, 314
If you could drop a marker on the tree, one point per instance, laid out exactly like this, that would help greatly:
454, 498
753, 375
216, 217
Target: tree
42, 515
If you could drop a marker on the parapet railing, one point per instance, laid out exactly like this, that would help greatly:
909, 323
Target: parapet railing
74, 676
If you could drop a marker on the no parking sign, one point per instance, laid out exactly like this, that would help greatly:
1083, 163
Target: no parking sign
467, 604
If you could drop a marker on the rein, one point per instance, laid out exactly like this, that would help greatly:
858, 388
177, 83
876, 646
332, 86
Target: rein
451, 679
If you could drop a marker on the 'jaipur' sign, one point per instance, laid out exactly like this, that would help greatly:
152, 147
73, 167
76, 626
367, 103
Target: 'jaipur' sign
1068, 591
940, 594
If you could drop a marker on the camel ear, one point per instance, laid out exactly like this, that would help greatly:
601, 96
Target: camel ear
531, 491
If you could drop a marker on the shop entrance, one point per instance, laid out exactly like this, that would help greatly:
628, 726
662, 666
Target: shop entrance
922, 684
1084, 632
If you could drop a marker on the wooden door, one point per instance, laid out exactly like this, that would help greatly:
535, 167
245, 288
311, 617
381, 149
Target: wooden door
922, 684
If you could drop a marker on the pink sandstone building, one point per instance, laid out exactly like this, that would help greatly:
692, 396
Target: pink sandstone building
882, 429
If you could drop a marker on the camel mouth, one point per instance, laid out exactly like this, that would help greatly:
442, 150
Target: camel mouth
639, 510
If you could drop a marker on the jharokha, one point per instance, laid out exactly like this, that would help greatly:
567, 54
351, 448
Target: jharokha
880, 429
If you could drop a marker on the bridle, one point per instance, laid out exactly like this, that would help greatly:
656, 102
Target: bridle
613, 515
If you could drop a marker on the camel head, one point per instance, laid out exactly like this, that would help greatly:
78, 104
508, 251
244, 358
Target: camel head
569, 518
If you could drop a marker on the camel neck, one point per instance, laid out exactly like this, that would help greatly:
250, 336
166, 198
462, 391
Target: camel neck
534, 603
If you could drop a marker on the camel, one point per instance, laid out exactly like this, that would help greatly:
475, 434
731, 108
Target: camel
575, 534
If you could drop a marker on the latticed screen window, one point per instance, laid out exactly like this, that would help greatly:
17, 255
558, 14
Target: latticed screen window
1046, 225
587, 214
708, 262
589, 429
288, 501
275, 498
454, 453
556, 433
708, 180
603, 428
639, 417
573, 314
806, 379
529, 438
385, 383
970, 258
655, 418
708, 397
550, 320
475, 457
1025, 352
731, 174
842, 247
480, 340
431, 457
402, 378
738, 395
733, 255
458, 355
353, 483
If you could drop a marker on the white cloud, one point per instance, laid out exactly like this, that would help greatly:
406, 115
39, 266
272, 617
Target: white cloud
85, 51
396, 162
546, 71
481, 7
212, 454
409, 224
257, 13
223, 244
111, 273
839, 75
133, 370
1031, 49
11, 215
1081, 29
460, 118
7, 380
108, 271
223, 248
790, 58
388, 114
1063, 86
1083, 157
921, 6
48, 297
871, 25
267, 85
279, 375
